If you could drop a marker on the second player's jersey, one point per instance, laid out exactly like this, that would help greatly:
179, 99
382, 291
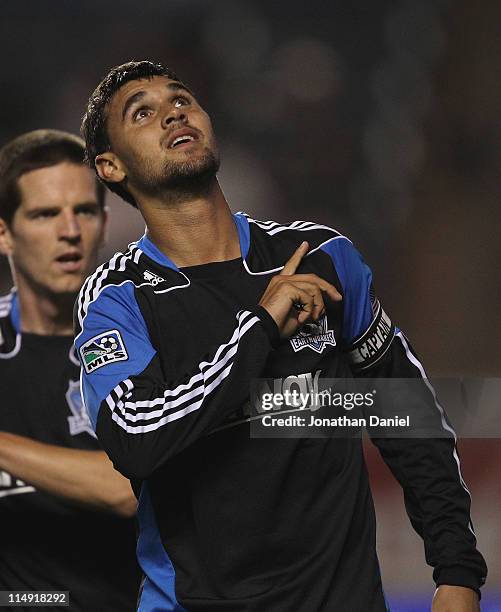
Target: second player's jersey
48, 543
228, 522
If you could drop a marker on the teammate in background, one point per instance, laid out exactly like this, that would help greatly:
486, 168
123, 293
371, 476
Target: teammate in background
170, 334
66, 514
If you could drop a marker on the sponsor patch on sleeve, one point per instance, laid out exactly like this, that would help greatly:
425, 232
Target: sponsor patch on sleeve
102, 350
374, 342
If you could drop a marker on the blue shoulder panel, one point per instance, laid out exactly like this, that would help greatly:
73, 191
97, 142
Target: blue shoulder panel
113, 345
158, 592
153, 252
14, 313
356, 280
243, 233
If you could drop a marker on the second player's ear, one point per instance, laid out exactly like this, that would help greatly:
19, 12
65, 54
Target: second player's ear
6, 244
110, 168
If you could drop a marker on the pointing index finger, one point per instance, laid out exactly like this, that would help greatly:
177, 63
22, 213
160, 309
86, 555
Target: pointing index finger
293, 263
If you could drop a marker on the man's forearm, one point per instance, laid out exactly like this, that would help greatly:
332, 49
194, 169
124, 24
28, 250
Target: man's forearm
83, 476
455, 599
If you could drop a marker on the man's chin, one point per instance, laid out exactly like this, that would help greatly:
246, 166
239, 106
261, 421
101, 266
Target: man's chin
192, 171
67, 287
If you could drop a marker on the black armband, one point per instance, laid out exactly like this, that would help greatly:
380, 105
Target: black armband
370, 347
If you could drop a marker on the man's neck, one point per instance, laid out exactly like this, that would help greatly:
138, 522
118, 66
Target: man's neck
43, 314
193, 230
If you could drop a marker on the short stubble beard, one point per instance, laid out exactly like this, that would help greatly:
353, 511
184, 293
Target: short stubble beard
179, 179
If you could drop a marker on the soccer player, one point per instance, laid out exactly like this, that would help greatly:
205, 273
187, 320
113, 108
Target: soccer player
65, 512
170, 334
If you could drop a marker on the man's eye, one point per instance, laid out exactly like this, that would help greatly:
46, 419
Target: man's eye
90, 211
44, 214
181, 101
141, 113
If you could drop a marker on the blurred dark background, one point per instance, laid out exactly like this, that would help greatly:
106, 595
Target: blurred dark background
380, 118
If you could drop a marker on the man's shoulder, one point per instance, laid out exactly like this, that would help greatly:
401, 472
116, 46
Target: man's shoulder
313, 232
273, 243
9, 337
114, 284
6, 304
117, 273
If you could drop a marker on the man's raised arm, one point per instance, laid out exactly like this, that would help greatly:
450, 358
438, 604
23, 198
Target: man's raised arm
140, 418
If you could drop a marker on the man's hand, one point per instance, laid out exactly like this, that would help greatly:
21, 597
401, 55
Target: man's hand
455, 599
294, 299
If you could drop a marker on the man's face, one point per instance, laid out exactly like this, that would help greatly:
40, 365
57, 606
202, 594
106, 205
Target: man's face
53, 239
161, 135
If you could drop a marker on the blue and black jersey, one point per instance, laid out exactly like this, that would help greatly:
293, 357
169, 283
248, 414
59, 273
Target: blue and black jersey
230, 522
47, 542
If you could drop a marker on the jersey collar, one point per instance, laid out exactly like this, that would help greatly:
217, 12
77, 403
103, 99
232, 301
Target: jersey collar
153, 252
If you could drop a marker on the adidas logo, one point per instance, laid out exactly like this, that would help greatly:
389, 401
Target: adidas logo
152, 279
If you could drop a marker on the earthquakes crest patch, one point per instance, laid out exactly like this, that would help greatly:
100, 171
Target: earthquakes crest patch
315, 336
79, 421
103, 349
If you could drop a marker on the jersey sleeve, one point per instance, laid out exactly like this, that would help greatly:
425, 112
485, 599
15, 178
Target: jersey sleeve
428, 469
140, 418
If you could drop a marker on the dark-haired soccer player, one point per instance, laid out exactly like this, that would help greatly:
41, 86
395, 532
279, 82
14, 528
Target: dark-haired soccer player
170, 334
65, 513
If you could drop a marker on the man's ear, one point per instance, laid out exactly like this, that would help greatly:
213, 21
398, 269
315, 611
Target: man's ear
110, 168
6, 241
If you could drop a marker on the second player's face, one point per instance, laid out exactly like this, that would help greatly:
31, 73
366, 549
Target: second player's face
160, 134
57, 229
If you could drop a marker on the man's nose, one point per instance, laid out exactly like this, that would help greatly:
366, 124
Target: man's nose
69, 228
174, 114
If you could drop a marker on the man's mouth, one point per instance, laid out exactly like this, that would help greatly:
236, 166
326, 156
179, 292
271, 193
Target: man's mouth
70, 262
181, 137
181, 140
